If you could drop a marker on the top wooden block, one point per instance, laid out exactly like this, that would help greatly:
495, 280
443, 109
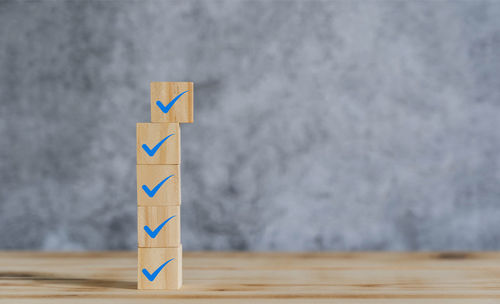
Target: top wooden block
172, 102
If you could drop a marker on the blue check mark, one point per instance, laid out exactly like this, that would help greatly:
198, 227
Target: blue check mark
152, 152
167, 108
152, 276
154, 233
152, 193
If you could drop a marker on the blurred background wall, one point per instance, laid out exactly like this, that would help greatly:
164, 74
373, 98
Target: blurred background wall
319, 125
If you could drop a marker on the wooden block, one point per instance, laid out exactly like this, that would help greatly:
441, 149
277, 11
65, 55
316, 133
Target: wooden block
159, 226
169, 263
158, 143
172, 102
158, 185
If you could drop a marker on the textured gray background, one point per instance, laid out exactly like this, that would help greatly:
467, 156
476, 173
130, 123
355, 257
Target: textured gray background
365, 125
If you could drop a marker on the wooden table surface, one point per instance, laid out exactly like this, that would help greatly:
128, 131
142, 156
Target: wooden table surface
105, 277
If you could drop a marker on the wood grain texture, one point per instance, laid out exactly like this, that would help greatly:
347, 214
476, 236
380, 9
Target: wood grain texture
182, 109
150, 134
111, 277
153, 217
169, 193
170, 276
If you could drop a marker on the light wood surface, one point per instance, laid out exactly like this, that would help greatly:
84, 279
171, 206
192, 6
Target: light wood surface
151, 134
169, 234
169, 193
150, 259
165, 92
213, 277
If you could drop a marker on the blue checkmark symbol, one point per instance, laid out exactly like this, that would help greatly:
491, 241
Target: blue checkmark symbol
152, 276
154, 233
167, 108
152, 152
152, 193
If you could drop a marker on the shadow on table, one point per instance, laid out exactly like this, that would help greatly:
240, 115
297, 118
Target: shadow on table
54, 279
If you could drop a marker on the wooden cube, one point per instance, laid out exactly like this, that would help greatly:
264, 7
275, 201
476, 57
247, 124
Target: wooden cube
158, 185
159, 268
159, 226
172, 102
158, 143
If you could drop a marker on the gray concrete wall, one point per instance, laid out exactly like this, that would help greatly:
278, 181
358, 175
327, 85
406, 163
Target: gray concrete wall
319, 125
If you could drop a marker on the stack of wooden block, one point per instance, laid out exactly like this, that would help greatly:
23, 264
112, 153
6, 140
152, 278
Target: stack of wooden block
159, 186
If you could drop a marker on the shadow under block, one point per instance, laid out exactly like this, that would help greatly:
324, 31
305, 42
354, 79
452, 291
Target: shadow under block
158, 143
172, 102
150, 260
163, 226
158, 185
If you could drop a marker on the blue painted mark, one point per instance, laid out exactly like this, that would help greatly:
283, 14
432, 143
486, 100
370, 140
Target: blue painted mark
152, 193
167, 108
152, 276
152, 152
154, 233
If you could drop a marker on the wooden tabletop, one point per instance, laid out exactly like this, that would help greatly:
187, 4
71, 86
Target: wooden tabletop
209, 277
